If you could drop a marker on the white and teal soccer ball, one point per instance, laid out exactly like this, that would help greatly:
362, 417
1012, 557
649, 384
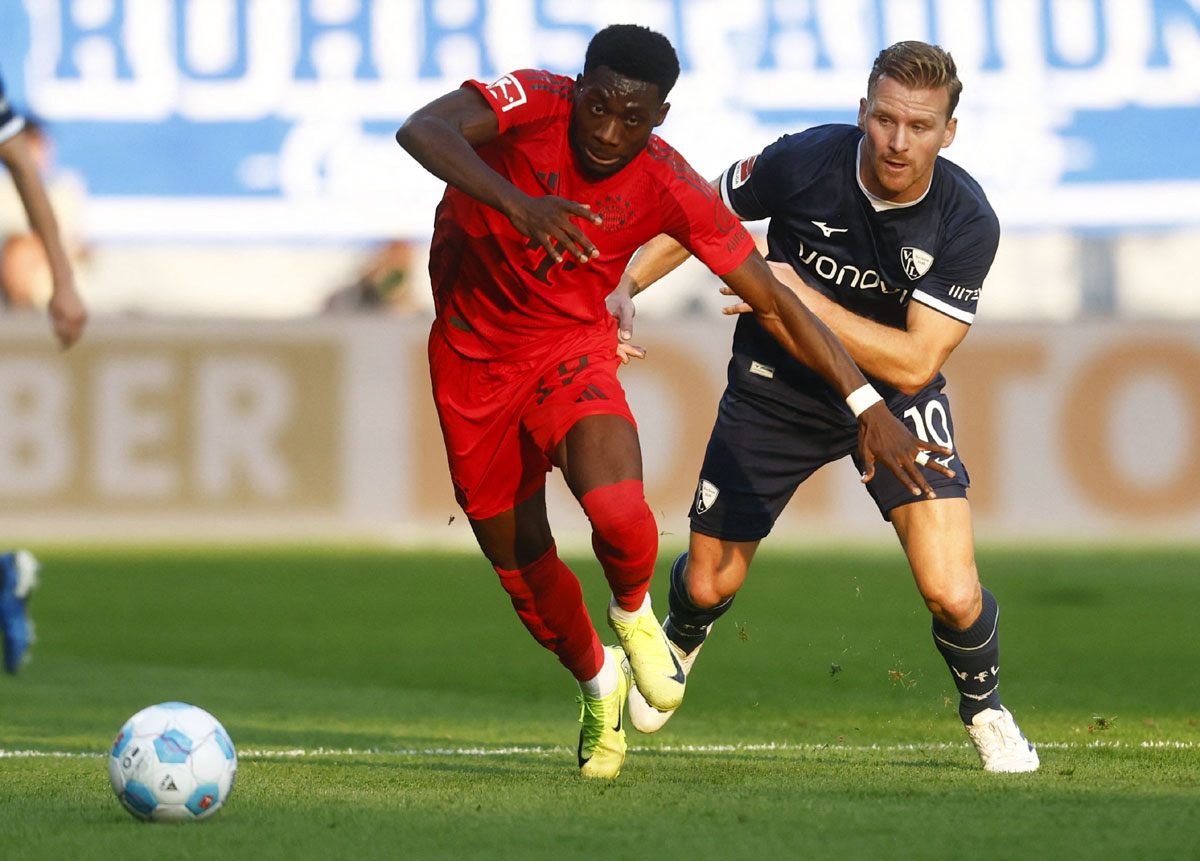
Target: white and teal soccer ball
172, 761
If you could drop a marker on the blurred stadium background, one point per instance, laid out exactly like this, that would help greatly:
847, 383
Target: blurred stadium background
252, 245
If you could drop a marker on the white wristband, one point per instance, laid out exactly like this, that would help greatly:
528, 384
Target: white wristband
861, 398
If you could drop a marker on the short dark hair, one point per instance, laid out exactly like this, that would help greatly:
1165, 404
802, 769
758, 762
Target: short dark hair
635, 52
918, 65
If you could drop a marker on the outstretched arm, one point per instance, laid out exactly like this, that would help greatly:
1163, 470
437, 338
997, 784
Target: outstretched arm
882, 437
652, 261
67, 313
658, 257
442, 136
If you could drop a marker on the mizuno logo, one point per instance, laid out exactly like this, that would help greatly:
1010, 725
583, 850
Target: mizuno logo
829, 231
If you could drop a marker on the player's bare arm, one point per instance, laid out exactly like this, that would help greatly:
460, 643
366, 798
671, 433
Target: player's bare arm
882, 437
658, 257
67, 313
652, 261
442, 137
905, 358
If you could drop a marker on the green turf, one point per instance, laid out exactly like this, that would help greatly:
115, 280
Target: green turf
388, 704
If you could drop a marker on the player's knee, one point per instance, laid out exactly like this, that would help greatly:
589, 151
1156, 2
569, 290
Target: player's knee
957, 607
705, 586
707, 595
619, 514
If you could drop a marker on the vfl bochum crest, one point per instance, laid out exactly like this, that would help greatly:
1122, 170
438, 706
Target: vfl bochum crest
916, 262
706, 495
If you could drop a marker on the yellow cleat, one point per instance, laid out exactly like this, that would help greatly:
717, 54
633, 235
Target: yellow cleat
602, 738
656, 670
643, 716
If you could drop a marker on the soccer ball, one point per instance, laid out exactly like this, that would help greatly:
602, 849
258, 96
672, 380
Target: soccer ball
172, 761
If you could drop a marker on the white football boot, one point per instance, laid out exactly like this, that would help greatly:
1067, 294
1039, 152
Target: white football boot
1001, 745
645, 717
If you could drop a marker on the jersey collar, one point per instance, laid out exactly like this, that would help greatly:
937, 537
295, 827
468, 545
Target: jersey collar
878, 203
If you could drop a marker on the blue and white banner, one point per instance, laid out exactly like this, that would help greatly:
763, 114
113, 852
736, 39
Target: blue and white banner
274, 119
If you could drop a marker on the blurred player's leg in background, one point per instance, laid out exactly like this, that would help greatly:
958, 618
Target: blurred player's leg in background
18, 577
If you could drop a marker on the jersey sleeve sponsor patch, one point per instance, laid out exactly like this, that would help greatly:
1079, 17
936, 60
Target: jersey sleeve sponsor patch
739, 174
506, 93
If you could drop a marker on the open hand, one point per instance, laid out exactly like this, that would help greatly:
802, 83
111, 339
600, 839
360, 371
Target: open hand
550, 221
885, 439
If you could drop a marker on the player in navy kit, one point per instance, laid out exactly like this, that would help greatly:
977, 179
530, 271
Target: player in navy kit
888, 244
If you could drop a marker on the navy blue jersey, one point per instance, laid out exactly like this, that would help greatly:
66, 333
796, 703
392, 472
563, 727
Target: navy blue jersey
10, 122
935, 251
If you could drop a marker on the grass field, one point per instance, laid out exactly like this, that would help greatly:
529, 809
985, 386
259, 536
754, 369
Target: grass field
388, 704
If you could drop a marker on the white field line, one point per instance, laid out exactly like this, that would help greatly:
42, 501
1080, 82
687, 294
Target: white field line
555, 750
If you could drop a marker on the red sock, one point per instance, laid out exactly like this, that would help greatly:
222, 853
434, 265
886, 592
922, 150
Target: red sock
547, 597
624, 537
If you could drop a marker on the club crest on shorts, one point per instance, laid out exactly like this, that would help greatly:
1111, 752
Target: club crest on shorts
916, 262
706, 495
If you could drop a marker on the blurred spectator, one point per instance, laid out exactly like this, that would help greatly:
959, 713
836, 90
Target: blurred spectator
384, 285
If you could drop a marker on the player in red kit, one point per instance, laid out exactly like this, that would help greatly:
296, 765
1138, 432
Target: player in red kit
553, 183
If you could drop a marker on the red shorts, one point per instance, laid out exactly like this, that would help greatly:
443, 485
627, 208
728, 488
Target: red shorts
502, 419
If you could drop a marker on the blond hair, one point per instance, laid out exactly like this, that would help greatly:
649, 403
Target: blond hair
918, 66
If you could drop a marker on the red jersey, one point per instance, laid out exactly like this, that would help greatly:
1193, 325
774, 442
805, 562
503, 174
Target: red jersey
499, 295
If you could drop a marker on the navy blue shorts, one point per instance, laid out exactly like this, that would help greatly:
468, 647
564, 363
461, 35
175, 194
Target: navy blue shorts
768, 438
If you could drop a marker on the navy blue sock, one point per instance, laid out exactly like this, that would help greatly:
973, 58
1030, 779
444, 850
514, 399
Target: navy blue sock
973, 657
687, 625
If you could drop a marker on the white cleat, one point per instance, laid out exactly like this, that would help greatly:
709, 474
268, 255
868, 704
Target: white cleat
1001, 745
27, 568
645, 717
